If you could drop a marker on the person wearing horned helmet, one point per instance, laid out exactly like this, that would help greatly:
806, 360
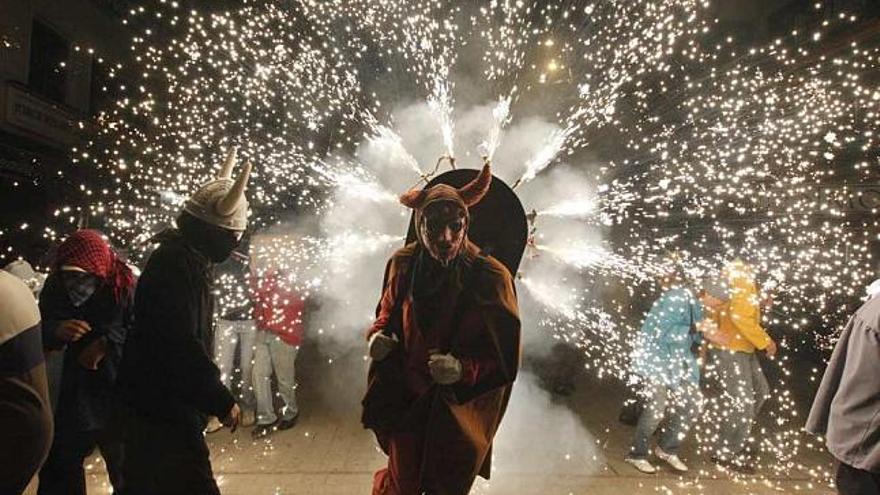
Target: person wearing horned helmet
444, 349
168, 378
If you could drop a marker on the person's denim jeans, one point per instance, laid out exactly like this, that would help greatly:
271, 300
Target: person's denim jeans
229, 334
678, 406
273, 354
744, 391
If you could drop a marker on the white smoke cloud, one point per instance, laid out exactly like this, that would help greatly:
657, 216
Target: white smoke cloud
349, 296
541, 437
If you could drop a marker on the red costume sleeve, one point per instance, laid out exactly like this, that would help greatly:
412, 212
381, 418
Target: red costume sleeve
386, 302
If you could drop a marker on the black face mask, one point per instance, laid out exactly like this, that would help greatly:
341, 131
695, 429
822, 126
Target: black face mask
213, 242
219, 248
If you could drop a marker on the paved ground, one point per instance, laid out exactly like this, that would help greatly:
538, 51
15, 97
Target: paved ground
548, 445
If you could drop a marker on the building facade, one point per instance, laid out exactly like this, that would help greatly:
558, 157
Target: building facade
50, 91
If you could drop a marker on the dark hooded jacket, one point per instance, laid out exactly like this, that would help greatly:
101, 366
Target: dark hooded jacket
167, 372
87, 399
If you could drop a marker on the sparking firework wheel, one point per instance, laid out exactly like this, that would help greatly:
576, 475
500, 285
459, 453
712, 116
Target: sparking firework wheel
498, 222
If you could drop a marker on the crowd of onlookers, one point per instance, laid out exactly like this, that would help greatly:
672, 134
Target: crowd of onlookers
709, 337
86, 305
93, 356
712, 333
690, 337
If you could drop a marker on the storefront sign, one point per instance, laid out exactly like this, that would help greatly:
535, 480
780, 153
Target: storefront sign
36, 116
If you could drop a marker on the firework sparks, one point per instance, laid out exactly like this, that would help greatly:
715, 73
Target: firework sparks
710, 148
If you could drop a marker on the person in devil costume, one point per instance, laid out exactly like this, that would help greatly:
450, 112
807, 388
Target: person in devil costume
169, 380
445, 350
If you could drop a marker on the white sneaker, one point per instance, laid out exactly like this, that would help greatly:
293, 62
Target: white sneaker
671, 459
214, 424
642, 465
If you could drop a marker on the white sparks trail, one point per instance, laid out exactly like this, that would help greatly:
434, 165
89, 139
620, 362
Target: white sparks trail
353, 182
500, 119
440, 103
556, 298
575, 208
552, 147
391, 143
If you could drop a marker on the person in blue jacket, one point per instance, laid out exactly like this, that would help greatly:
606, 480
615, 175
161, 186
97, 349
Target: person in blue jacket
665, 360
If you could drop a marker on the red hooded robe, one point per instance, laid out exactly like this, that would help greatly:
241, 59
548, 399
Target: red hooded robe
444, 436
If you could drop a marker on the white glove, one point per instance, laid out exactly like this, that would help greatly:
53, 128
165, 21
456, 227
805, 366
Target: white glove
381, 345
445, 368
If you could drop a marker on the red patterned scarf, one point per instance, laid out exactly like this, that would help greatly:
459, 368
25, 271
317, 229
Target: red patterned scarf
87, 249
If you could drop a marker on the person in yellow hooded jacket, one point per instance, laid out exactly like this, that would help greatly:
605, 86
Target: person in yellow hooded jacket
732, 349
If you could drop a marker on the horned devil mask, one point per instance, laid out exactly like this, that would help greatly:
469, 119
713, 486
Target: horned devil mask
442, 214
